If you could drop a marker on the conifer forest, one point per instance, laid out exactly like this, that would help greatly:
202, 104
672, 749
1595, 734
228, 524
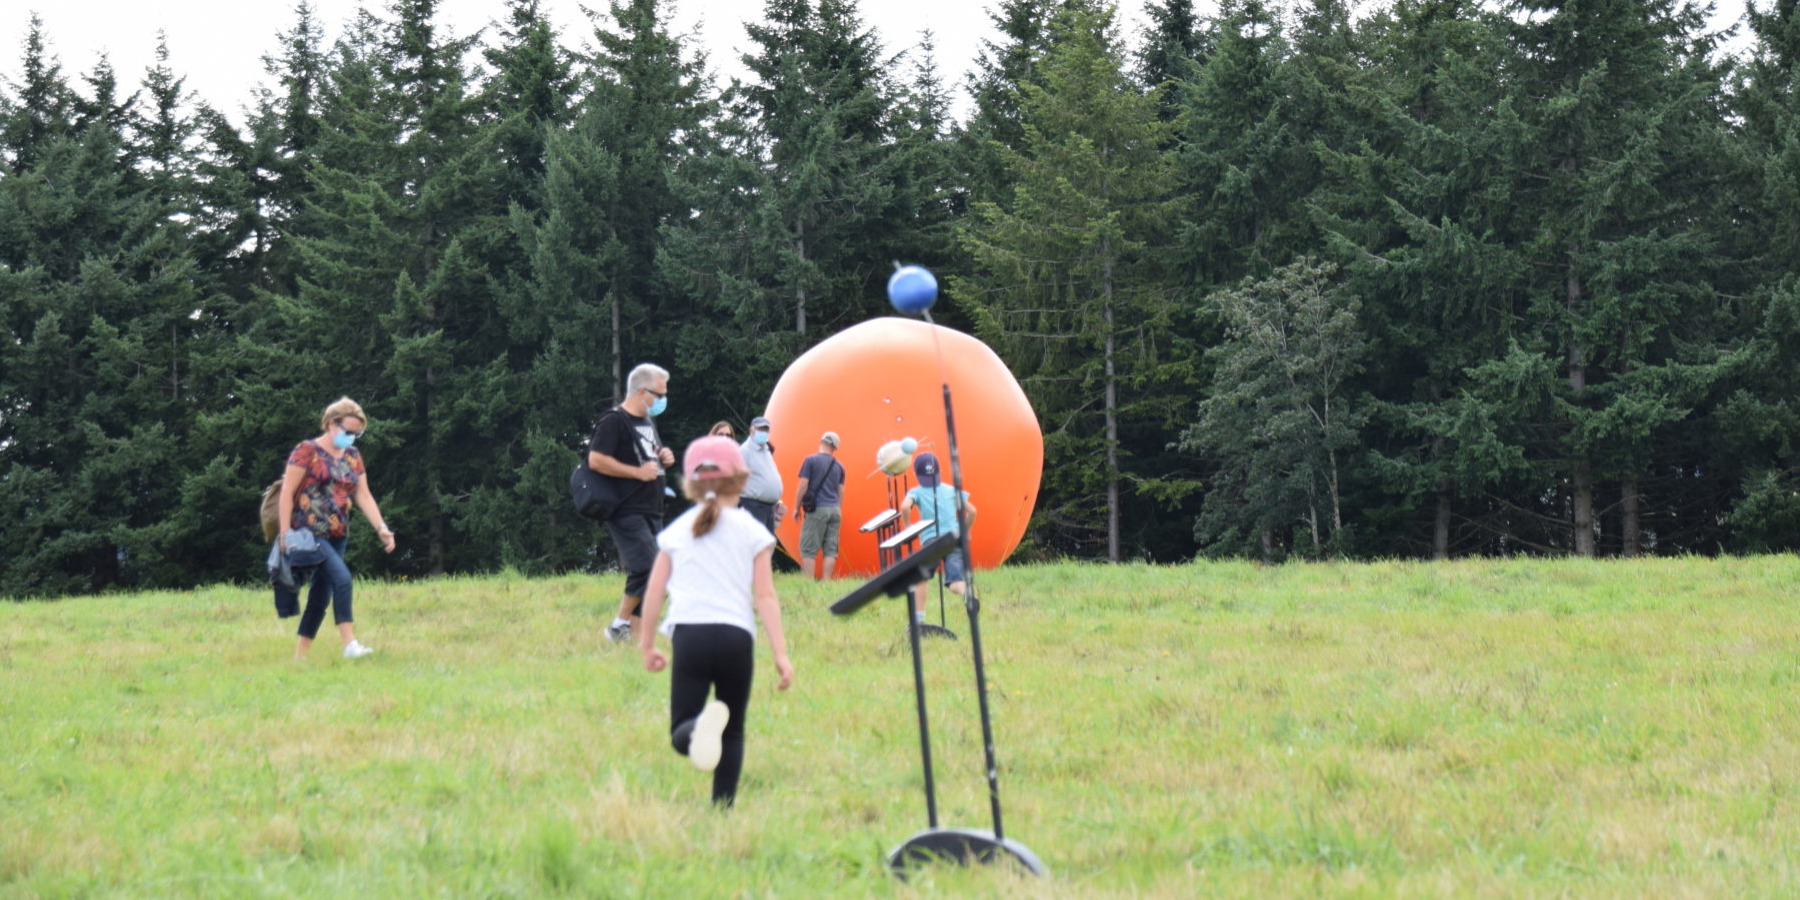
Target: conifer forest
1282, 280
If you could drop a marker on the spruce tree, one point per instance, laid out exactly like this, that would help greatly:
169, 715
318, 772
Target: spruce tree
1065, 287
1618, 141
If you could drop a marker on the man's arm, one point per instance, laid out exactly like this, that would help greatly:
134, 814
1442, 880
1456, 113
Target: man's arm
799, 494
612, 466
606, 465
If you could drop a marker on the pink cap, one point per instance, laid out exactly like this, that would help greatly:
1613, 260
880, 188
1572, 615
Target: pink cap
713, 456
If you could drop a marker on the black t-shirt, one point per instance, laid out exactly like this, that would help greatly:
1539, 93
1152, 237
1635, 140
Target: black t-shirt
631, 440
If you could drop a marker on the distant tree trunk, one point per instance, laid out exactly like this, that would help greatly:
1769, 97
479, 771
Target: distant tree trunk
800, 283
1582, 480
1630, 523
618, 351
1440, 528
1112, 428
1268, 545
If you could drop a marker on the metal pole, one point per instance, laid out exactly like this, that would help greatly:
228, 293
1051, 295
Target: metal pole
912, 630
974, 607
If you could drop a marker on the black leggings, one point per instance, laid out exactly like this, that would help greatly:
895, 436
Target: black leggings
722, 658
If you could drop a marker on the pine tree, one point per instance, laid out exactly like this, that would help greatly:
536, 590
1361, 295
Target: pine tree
1064, 285
1620, 133
1759, 419
1175, 45
1417, 210
1244, 160
99, 289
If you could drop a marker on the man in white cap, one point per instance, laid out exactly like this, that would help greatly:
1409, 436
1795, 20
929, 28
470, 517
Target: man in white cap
762, 493
819, 498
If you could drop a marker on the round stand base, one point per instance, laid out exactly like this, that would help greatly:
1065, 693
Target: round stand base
961, 846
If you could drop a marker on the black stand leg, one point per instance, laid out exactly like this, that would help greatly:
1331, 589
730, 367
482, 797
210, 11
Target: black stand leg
912, 632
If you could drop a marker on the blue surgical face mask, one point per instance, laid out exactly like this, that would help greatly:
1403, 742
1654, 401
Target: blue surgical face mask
343, 440
657, 408
761, 437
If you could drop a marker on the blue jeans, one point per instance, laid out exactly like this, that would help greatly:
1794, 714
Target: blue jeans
331, 584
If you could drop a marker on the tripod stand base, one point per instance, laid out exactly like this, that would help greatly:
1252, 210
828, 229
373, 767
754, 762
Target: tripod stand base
962, 846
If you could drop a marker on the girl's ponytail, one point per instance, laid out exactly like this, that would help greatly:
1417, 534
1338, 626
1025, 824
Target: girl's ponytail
709, 515
706, 491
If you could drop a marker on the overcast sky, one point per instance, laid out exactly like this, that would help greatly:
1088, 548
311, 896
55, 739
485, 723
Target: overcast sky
218, 45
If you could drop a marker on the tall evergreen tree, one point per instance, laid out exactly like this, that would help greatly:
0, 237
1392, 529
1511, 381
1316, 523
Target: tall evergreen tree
1418, 212
1760, 418
1065, 287
1617, 106
99, 289
1175, 45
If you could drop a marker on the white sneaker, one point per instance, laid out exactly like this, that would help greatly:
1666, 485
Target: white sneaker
705, 744
356, 650
619, 633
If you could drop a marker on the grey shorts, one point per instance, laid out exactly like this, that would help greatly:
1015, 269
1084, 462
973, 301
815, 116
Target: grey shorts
635, 538
819, 532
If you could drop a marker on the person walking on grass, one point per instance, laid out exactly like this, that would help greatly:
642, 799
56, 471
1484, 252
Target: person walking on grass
324, 476
713, 562
817, 506
762, 493
626, 448
936, 502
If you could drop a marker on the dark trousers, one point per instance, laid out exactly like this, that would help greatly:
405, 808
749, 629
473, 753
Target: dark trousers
722, 658
634, 534
330, 585
760, 511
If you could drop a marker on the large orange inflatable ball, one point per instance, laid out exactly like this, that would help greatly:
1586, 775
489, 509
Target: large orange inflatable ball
880, 382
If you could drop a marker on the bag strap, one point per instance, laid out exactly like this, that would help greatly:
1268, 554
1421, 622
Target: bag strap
597, 421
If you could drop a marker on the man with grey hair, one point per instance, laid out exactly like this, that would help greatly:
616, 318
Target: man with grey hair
762, 492
626, 449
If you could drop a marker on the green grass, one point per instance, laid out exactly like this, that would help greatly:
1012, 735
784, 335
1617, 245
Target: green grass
1478, 729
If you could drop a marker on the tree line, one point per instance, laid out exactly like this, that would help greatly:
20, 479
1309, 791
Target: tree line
1444, 278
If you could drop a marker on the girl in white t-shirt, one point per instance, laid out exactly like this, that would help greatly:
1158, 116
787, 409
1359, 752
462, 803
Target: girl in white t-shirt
711, 562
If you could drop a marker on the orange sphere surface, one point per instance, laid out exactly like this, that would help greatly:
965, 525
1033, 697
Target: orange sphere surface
881, 381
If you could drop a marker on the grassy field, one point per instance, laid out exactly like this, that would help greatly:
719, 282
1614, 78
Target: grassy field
1479, 729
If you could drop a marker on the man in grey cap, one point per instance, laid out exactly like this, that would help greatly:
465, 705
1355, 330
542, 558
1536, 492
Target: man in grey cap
762, 493
820, 495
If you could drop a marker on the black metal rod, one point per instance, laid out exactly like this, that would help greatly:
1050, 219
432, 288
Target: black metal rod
974, 607
912, 630
943, 619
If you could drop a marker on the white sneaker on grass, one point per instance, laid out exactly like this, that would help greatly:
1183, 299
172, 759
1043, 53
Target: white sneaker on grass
706, 743
620, 633
356, 650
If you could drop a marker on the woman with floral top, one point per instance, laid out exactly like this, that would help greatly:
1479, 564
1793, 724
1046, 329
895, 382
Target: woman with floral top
323, 476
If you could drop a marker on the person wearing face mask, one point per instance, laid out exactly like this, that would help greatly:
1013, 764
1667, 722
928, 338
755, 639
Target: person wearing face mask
626, 448
762, 493
324, 476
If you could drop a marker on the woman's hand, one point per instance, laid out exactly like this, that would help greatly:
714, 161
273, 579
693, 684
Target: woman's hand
654, 660
387, 538
785, 669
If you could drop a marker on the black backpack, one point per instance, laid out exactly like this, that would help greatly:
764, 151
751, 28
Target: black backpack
596, 496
